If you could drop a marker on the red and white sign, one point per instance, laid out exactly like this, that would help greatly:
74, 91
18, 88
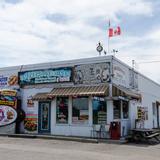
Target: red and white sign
7, 115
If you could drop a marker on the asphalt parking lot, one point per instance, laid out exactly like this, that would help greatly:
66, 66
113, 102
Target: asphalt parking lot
40, 149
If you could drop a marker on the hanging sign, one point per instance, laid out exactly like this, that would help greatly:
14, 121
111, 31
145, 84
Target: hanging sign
45, 76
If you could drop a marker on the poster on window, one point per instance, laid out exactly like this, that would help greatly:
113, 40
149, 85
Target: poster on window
92, 73
82, 118
83, 115
62, 110
142, 113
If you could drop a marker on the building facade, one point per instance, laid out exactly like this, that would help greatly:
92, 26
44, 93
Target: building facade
71, 97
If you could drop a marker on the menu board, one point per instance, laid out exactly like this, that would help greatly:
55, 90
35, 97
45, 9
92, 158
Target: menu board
101, 117
45, 76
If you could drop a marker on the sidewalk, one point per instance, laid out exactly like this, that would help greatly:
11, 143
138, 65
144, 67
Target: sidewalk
66, 138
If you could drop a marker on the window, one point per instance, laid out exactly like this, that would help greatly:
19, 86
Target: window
80, 110
125, 109
117, 109
154, 108
62, 110
99, 110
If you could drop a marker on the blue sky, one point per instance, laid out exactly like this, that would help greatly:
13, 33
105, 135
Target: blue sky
34, 31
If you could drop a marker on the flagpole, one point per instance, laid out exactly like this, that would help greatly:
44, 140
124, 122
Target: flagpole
108, 36
108, 44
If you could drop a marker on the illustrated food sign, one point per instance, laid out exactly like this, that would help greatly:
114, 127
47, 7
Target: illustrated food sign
92, 73
8, 98
7, 115
11, 80
45, 76
31, 122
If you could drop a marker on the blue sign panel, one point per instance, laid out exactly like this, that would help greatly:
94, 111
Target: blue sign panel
45, 76
3, 81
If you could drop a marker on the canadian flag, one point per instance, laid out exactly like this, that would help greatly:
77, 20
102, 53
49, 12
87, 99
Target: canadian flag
114, 32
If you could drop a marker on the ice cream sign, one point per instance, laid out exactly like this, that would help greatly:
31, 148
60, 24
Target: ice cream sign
8, 115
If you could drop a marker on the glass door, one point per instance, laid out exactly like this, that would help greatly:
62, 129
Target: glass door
44, 117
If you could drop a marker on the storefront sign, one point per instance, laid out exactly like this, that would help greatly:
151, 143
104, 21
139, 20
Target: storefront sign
92, 73
8, 81
8, 92
8, 98
45, 76
7, 115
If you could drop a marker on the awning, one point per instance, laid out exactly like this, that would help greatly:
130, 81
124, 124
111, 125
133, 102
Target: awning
80, 91
125, 92
40, 96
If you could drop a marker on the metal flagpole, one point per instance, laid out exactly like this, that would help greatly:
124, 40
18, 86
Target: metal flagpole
108, 36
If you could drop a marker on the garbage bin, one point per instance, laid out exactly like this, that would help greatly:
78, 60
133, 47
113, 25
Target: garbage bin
115, 130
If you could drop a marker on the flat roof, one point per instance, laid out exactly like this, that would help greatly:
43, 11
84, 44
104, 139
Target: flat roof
69, 63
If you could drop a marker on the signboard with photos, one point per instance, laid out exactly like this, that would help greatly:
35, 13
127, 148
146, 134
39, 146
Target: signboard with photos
8, 106
92, 73
44, 76
8, 98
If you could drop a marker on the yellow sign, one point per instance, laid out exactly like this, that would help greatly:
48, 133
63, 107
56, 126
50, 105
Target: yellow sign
139, 113
8, 92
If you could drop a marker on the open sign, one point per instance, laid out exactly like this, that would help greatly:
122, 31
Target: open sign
8, 115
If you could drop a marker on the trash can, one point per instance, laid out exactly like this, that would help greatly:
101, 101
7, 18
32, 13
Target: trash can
115, 131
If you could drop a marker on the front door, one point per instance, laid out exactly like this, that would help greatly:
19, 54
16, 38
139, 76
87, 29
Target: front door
44, 116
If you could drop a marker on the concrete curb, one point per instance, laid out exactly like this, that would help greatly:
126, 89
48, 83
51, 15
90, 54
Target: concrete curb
65, 138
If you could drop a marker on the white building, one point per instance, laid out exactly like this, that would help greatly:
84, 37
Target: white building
72, 97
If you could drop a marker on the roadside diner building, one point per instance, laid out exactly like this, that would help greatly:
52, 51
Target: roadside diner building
90, 97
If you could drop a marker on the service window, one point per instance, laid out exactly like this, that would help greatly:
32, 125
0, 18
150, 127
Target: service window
116, 109
62, 110
80, 112
125, 109
99, 110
